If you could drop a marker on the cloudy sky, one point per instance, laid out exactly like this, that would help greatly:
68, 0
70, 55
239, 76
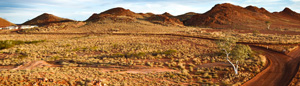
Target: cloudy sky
19, 11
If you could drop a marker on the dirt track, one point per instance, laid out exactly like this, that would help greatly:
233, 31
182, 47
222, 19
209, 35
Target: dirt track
280, 72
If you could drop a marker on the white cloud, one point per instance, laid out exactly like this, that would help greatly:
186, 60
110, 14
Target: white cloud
295, 0
160, 7
295, 7
261, 1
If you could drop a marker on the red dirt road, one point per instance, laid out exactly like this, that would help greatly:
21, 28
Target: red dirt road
295, 53
281, 70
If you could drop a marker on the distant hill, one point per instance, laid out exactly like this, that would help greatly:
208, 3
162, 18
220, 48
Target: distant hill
185, 16
167, 14
224, 15
228, 16
288, 13
5, 23
165, 20
256, 9
46, 18
113, 13
231, 16
126, 15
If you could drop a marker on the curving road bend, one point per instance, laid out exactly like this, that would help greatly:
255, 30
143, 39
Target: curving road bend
281, 70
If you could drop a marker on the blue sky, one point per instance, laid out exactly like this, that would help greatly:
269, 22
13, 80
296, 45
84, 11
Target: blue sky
19, 11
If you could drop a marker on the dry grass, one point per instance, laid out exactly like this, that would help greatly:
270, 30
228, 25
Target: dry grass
254, 37
83, 58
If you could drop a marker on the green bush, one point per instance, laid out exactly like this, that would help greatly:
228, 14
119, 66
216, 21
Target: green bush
169, 52
4, 44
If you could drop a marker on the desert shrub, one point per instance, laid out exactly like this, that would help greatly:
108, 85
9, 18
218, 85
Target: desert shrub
149, 64
169, 52
185, 72
22, 56
191, 68
6, 44
11, 43
215, 75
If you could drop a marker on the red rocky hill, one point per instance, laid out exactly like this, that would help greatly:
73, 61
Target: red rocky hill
5, 23
231, 16
45, 19
114, 12
124, 15
164, 20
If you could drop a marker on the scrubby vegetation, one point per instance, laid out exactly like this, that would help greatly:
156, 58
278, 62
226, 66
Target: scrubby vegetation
79, 59
10, 43
254, 37
234, 52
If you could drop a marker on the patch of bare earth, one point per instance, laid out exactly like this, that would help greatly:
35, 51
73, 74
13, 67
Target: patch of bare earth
149, 70
216, 64
33, 64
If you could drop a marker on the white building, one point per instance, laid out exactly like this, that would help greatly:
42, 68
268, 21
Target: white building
11, 27
19, 27
27, 26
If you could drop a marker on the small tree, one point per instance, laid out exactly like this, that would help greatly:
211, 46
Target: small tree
240, 53
236, 52
268, 23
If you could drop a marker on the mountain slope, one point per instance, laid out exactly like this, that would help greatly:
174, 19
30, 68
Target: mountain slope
185, 16
228, 16
288, 13
46, 18
236, 17
5, 23
164, 20
112, 13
